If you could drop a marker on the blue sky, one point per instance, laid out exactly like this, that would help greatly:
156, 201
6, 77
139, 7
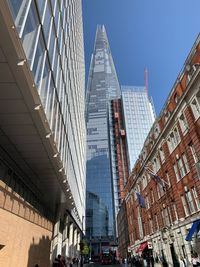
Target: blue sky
157, 34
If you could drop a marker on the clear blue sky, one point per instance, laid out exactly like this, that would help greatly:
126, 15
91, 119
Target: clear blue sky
154, 33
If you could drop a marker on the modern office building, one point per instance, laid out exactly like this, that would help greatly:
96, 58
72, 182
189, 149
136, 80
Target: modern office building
139, 116
42, 130
132, 118
102, 87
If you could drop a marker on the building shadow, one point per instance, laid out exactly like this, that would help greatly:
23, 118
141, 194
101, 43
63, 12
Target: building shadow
39, 253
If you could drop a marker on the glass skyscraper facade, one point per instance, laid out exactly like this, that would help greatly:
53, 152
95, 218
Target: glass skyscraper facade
102, 87
42, 94
139, 116
52, 38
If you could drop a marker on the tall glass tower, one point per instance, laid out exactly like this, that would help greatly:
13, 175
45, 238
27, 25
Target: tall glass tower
102, 87
139, 116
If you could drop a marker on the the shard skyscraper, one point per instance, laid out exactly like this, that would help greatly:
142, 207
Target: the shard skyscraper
102, 87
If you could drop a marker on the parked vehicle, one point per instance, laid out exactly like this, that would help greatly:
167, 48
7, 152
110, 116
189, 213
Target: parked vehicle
106, 259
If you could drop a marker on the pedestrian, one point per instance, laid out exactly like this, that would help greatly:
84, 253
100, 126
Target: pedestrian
148, 261
133, 261
152, 260
195, 260
145, 262
182, 262
58, 262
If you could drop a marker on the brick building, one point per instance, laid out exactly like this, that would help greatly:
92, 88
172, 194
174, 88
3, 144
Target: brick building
172, 151
122, 225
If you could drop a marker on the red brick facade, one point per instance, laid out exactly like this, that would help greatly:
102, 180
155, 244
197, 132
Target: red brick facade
172, 151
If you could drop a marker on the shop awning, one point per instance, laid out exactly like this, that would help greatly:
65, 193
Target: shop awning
194, 227
142, 247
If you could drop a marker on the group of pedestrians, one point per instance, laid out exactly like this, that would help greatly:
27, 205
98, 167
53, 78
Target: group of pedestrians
138, 261
61, 261
149, 261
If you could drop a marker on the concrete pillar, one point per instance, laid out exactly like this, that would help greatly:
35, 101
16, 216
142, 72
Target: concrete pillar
75, 237
78, 242
187, 244
56, 244
71, 232
65, 239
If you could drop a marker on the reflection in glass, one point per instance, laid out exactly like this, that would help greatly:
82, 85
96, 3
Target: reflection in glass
19, 9
30, 32
37, 66
43, 89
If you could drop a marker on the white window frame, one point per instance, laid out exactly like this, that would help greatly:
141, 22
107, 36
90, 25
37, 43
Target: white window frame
185, 161
162, 154
168, 178
175, 212
183, 123
196, 198
194, 153
190, 202
195, 106
181, 167
185, 207
178, 178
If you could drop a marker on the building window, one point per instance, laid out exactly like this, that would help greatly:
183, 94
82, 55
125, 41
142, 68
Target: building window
183, 123
190, 202
176, 172
162, 155
177, 138
169, 142
195, 108
151, 226
152, 196
176, 98
175, 212
166, 217
144, 181
140, 224
193, 151
185, 207
186, 163
147, 202
156, 164
169, 213
196, 198
181, 167
19, 11
158, 191
167, 178
156, 220
167, 115
30, 32
173, 139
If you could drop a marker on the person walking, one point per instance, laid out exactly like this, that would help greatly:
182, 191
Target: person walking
183, 262
195, 260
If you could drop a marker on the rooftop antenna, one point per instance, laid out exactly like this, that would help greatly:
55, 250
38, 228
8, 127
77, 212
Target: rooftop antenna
146, 79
